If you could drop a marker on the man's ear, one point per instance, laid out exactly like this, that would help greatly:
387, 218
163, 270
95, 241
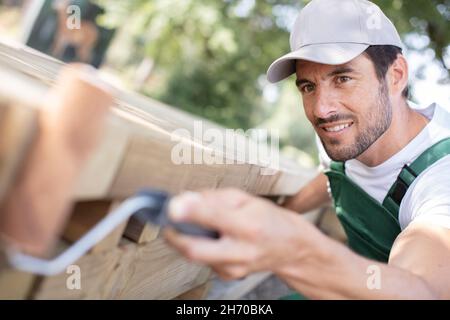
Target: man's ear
398, 76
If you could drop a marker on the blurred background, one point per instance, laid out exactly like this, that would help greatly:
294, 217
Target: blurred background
209, 57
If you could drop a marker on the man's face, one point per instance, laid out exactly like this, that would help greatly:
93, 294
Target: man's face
346, 104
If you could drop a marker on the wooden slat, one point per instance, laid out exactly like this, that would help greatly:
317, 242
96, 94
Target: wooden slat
15, 284
95, 271
198, 293
141, 156
139, 232
153, 271
25, 58
103, 163
148, 162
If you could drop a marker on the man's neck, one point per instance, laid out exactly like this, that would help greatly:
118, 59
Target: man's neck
406, 125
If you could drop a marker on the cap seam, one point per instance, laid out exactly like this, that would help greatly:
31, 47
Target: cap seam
359, 17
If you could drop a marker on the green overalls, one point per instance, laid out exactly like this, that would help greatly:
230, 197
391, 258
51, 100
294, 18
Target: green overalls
372, 227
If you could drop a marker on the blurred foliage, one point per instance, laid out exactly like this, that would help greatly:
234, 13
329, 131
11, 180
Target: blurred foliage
428, 18
210, 56
214, 53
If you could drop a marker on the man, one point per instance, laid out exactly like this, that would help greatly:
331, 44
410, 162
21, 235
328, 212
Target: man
388, 178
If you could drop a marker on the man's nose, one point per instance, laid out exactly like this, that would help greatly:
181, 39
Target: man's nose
325, 104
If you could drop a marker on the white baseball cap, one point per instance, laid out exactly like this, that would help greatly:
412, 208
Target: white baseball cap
334, 32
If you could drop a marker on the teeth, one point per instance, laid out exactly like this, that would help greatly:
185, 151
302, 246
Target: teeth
337, 128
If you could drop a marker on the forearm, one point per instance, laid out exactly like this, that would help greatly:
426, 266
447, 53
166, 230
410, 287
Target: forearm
310, 197
331, 271
27, 216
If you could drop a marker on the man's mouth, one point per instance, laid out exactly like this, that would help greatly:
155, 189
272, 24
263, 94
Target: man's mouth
336, 127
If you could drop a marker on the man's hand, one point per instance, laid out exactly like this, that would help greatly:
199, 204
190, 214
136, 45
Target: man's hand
256, 235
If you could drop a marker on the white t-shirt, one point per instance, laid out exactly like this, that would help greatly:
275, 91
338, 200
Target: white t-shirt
428, 197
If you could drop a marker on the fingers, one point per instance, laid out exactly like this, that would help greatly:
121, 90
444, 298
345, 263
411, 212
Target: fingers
253, 231
224, 251
223, 256
231, 272
217, 210
228, 198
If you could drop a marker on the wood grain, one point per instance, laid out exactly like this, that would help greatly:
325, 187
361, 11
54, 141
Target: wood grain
152, 271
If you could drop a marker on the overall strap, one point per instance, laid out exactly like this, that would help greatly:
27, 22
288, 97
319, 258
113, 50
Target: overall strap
409, 173
337, 166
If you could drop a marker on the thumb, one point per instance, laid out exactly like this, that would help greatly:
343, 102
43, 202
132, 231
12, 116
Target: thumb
191, 207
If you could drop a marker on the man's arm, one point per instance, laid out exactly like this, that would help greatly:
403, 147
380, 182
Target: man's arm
312, 196
418, 268
424, 250
37, 204
259, 236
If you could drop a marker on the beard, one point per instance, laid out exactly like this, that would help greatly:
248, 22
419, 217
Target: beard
379, 119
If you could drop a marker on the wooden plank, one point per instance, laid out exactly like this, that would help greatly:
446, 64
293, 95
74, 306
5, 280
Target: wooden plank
143, 157
148, 162
108, 156
140, 232
198, 293
95, 271
152, 271
25, 58
15, 284
157, 271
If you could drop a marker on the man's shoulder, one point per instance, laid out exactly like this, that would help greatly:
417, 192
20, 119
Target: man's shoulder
429, 194
439, 168
432, 180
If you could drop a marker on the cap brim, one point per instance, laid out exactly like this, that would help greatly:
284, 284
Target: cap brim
328, 53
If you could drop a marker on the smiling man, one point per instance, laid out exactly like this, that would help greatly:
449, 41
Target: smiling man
386, 166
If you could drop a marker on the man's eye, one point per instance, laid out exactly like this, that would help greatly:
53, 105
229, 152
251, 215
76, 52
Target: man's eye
307, 88
342, 79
